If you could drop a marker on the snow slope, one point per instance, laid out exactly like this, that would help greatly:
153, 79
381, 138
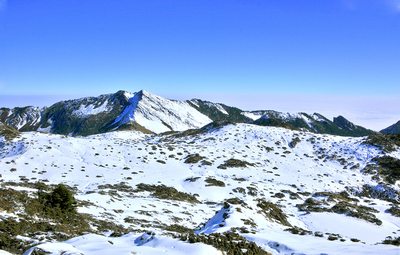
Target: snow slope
276, 170
148, 243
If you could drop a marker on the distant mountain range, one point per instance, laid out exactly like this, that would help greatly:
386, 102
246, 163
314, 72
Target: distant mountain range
150, 113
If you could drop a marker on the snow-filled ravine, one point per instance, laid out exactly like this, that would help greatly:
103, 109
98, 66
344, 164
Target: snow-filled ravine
261, 173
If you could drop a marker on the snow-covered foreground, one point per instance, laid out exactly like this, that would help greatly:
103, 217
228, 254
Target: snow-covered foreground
270, 165
129, 244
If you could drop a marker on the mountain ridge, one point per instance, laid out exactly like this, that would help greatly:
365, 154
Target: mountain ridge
149, 113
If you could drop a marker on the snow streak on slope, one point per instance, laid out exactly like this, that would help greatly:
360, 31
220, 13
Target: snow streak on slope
91, 109
217, 106
282, 115
253, 116
250, 167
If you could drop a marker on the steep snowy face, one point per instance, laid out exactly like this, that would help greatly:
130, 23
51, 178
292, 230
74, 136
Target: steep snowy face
128, 114
159, 114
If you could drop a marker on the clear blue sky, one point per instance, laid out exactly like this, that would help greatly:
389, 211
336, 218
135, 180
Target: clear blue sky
331, 56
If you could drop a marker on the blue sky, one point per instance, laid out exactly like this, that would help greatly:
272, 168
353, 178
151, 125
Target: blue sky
332, 57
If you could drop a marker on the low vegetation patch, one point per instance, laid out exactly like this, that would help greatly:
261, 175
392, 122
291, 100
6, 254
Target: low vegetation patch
299, 231
235, 201
122, 186
193, 158
271, 211
336, 196
206, 163
192, 179
279, 195
294, 142
186, 133
357, 211
252, 191
52, 212
8, 132
169, 193
214, 182
392, 241
394, 210
380, 191
339, 203
239, 190
385, 142
292, 195
176, 228
388, 168
229, 242
234, 163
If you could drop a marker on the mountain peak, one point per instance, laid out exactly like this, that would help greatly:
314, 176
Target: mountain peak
343, 123
145, 93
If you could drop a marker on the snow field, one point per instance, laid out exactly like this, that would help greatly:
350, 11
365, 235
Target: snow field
316, 163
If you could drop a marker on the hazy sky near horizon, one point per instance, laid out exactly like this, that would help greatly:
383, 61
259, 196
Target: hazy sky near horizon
332, 57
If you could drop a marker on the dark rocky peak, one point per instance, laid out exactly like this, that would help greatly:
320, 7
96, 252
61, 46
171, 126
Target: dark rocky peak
343, 123
393, 129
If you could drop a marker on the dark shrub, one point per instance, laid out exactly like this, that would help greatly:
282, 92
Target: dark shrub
60, 198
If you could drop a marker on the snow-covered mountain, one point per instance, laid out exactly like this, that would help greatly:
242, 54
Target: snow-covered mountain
22, 118
141, 111
159, 114
150, 113
283, 191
